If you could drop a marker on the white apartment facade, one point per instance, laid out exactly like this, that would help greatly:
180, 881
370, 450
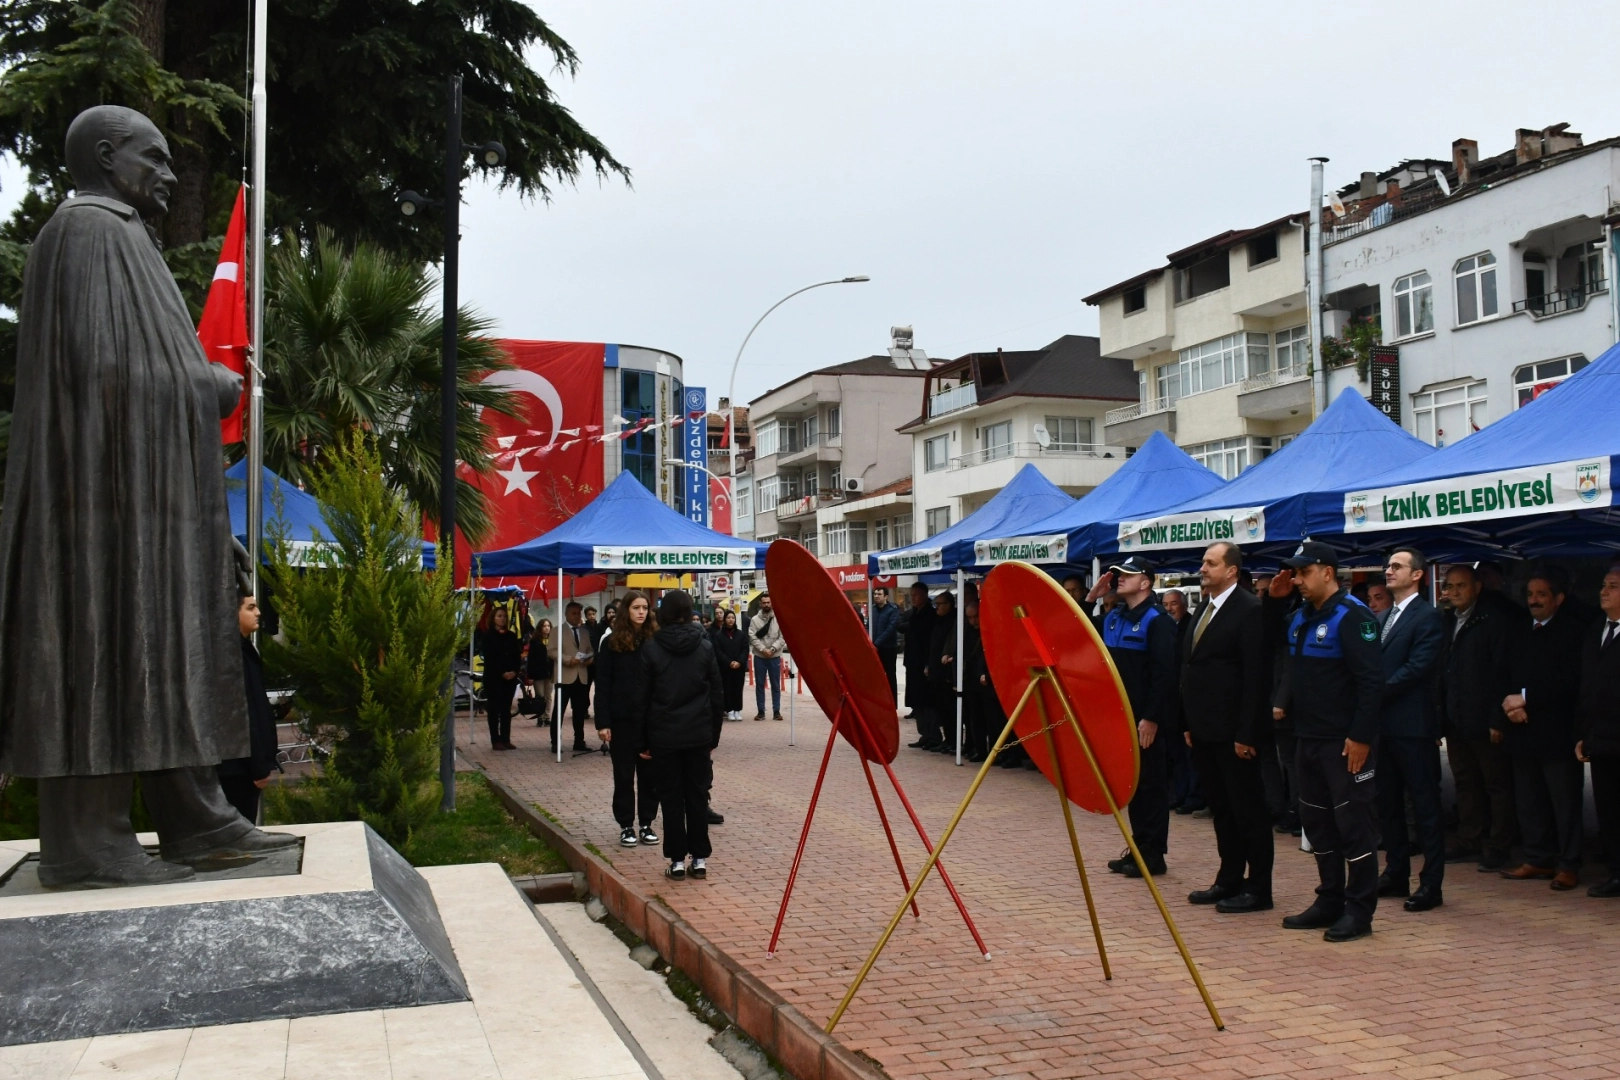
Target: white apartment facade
1219, 340
1490, 284
986, 415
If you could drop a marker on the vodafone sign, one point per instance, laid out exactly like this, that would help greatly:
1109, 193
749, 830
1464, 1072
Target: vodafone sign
853, 578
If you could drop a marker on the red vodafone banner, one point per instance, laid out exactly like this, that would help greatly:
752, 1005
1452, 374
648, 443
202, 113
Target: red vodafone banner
548, 461
853, 578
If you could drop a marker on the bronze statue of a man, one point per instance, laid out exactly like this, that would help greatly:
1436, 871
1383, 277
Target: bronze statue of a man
118, 641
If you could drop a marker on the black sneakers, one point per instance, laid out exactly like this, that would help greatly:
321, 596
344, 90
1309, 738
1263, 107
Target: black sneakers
699, 870
676, 870
647, 835
627, 837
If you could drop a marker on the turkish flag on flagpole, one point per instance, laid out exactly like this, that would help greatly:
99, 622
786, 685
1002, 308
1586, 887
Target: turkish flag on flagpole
223, 329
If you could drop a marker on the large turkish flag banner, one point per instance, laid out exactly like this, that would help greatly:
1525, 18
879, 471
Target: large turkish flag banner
548, 460
720, 504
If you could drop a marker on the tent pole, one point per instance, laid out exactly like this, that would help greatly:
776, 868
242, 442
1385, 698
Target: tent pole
475, 603
961, 585
556, 706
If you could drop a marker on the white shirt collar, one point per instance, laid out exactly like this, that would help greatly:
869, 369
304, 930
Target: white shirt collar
1215, 601
1401, 605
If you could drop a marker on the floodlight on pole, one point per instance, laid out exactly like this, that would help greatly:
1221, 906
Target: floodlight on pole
731, 386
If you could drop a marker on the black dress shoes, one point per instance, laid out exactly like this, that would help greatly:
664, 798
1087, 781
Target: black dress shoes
918, 745
1425, 899
1117, 866
1155, 867
1388, 886
1243, 903
716, 818
1212, 895
1346, 929
1606, 890
1314, 917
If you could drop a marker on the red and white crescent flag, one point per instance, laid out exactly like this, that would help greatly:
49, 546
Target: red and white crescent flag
223, 329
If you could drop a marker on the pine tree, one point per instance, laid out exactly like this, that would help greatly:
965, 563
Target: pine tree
366, 640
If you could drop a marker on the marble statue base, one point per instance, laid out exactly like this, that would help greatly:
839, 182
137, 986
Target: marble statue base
349, 926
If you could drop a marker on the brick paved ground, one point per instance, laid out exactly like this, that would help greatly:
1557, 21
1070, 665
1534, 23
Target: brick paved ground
1508, 979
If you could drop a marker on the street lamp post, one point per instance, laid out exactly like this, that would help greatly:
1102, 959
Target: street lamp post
731, 387
493, 155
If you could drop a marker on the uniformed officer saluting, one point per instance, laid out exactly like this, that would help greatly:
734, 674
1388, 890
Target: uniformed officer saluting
1141, 638
1335, 679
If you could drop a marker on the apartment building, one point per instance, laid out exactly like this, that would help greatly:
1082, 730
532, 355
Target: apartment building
825, 445
985, 415
1220, 343
1488, 280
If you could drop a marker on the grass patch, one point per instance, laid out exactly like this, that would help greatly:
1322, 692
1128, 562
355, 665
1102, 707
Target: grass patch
480, 830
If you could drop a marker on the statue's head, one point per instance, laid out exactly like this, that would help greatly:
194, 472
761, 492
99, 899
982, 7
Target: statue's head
119, 153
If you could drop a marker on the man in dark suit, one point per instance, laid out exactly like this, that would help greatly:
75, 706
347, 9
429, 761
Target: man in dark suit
1411, 634
1473, 680
1597, 720
1223, 707
919, 630
1548, 779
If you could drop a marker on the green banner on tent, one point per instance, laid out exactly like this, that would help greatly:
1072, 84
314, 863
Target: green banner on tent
1241, 525
1567, 485
1030, 549
656, 559
912, 562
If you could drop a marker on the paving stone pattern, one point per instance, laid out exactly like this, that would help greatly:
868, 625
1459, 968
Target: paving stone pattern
1508, 979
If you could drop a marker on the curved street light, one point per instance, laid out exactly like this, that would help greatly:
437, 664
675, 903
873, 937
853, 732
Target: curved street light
731, 386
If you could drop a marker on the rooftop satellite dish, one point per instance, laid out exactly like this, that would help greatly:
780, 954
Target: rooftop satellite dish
1440, 178
1043, 436
1336, 202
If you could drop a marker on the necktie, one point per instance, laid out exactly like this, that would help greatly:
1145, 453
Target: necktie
1203, 621
1608, 633
1389, 623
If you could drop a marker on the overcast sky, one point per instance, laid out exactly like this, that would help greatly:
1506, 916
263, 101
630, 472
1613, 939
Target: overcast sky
987, 164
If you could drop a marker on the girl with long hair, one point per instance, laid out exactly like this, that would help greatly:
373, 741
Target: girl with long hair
731, 650
619, 675
538, 670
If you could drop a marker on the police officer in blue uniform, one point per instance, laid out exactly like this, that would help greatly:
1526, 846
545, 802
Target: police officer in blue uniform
1141, 639
1334, 686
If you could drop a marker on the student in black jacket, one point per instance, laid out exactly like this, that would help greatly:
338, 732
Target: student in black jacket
679, 703
242, 779
619, 679
1548, 780
940, 735
919, 629
731, 650
502, 653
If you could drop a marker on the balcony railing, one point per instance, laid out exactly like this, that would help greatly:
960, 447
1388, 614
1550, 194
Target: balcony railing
1380, 215
949, 401
1140, 409
1272, 378
1561, 301
806, 504
1036, 451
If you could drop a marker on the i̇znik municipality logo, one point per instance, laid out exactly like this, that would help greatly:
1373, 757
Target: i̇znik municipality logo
1358, 510
694, 400
1587, 480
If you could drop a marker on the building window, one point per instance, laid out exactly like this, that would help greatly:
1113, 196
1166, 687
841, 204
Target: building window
937, 453
1450, 413
1167, 380
1533, 380
1293, 350
638, 399
1476, 288
743, 505
1069, 432
880, 534
1204, 276
902, 530
997, 440
938, 520
1135, 299
838, 478
809, 541
810, 427
1414, 305
1228, 457
836, 539
1224, 361
1262, 249
835, 422
857, 538
765, 438
768, 494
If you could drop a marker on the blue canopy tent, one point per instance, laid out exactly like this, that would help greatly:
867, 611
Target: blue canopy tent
1029, 497
1264, 508
293, 513
625, 529
1157, 476
1538, 482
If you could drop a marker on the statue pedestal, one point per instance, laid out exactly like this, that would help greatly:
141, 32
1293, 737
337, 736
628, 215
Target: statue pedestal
348, 926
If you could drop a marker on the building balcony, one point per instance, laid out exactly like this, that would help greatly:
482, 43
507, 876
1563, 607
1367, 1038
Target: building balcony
1131, 425
1560, 302
815, 448
804, 508
1275, 395
953, 400
1035, 452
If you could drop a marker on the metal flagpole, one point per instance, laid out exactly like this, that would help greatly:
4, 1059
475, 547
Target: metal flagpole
556, 705
255, 448
960, 594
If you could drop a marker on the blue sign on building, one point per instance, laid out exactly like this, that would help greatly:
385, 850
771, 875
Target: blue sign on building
695, 452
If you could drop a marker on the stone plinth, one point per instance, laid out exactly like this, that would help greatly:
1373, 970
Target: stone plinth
354, 927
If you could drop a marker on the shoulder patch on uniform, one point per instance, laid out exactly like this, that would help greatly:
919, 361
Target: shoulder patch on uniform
1369, 631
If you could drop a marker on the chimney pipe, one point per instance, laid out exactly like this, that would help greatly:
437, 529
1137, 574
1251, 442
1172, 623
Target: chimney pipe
1464, 156
1369, 185
1313, 288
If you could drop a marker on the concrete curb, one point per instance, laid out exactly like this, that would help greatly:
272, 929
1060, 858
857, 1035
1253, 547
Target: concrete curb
807, 1052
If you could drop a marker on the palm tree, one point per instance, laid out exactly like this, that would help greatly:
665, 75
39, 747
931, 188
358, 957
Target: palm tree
351, 343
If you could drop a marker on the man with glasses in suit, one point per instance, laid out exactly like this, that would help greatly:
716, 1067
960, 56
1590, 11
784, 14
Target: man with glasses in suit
1411, 634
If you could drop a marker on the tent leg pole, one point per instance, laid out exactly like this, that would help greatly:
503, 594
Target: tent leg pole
557, 706
961, 587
